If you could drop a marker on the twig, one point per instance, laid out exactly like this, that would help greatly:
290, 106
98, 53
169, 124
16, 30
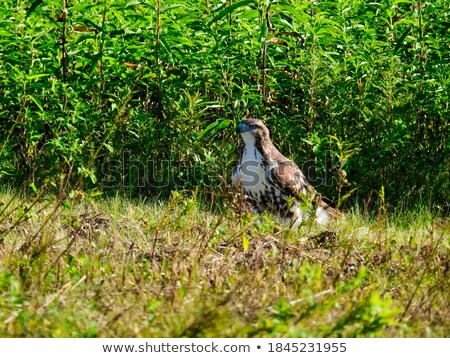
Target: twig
62, 291
317, 295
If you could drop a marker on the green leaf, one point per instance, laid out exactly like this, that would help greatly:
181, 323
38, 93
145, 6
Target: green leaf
216, 126
229, 9
109, 147
263, 34
245, 243
401, 1
32, 77
401, 39
36, 102
4, 33
302, 17
33, 187
132, 3
34, 6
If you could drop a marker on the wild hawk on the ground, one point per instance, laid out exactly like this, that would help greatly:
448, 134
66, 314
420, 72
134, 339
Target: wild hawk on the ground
274, 183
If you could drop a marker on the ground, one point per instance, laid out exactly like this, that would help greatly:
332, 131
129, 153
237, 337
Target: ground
115, 267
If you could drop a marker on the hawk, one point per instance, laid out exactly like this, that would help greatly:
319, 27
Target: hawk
272, 182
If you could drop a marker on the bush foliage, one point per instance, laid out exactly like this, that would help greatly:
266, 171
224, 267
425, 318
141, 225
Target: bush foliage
145, 95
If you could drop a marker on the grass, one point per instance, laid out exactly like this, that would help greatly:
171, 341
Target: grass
120, 268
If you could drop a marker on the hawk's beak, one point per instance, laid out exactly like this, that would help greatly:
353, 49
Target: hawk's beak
243, 127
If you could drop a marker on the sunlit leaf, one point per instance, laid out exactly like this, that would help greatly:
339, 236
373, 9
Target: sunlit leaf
224, 12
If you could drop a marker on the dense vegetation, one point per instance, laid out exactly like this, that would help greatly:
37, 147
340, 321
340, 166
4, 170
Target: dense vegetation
104, 98
136, 94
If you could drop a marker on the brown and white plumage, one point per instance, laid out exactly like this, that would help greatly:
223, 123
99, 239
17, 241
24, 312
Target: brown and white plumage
274, 183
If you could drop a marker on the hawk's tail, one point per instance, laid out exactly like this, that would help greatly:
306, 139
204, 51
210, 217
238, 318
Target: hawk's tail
326, 210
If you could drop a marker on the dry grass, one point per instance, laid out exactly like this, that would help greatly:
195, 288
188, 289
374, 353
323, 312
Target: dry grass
117, 268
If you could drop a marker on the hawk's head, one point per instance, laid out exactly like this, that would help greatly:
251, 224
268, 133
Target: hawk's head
252, 129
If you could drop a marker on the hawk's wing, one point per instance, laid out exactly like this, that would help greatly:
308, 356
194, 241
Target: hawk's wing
288, 177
